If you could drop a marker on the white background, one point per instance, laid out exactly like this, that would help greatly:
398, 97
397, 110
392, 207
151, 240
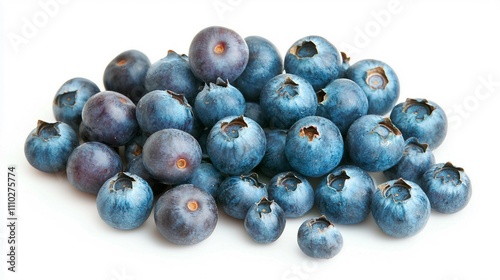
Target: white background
446, 51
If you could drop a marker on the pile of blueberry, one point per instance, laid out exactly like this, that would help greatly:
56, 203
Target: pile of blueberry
189, 135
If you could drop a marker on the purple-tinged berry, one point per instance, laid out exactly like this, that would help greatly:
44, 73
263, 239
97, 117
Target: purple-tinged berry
109, 117
171, 155
218, 52
91, 164
186, 215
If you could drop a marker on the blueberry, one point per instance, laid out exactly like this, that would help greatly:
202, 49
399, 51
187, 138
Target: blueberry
254, 111
109, 117
346, 63
48, 146
236, 145
264, 63
448, 187
185, 215
315, 59
84, 133
171, 155
218, 100
70, 99
173, 73
344, 196
292, 192
160, 109
374, 143
319, 238
422, 119
417, 159
342, 101
91, 164
274, 160
379, 82
133, 148
400, 208
265, 221
125, 201
286, 99
126, 74
218, 51
202, 140
314, 146
198, 127
237, 194
136, 167
207, 178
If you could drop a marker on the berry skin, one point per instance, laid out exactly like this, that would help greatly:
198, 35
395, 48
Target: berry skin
344, 196
314, 146
91, 164
342, 101
218, 52
207, 178
400, 208
48, 146
374, 143
265, 221
422, 119
292, 192
319, 238
185, 215
346, 63
264, 63
133, 148
125, 201
136, 167
109, 117
448, 187
218, 100
274, 160
236, 145
254, 111
417, 158
70, 99
237, 194
171, 155
126, 74
379, 82
315, 59
286, 99
173, 73
160, 109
